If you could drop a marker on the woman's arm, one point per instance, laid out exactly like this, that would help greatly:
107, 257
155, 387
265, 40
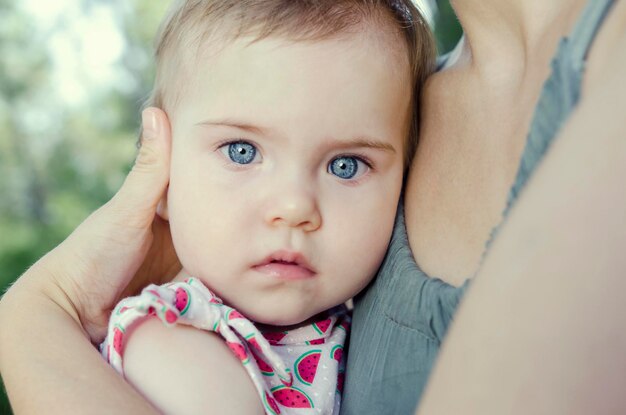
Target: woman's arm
48, 363
60, 306
543, 327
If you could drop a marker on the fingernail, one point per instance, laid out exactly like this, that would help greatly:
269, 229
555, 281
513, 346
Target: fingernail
150, 124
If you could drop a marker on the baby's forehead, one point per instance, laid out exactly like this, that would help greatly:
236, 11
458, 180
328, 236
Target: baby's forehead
314, 92
194, 32
250, 65
226, 53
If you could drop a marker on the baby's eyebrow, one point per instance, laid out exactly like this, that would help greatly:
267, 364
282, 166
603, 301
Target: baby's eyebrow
366, 142
234, 124
357, 142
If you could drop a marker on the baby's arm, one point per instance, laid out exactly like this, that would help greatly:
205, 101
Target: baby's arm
184, 370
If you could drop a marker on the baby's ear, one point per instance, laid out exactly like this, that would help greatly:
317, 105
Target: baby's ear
162, 209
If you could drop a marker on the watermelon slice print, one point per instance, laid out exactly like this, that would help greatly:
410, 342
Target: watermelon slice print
233, 314
306, 366
316, 341
266, 370
215, 301
239, 351
274, 337
170, 317
183, 300
291, 397
270, 404
118, 339
322, 326
337, 353
253, 342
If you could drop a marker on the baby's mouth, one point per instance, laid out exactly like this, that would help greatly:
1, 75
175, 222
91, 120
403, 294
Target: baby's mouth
285, 265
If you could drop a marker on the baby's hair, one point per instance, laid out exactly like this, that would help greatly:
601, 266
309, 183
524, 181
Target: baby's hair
189, 24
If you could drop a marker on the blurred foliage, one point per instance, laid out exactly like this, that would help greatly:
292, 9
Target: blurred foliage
447, 27
52, 175
58, 163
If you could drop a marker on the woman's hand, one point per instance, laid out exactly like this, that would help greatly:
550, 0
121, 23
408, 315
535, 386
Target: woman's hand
61, 305
89, 272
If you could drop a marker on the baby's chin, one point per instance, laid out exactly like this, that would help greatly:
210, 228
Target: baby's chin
270, 325
277, 317
290, 312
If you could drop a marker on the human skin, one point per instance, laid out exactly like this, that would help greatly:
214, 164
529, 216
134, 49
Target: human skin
300, 106
541, 329
497, 329
39, 374
303, 106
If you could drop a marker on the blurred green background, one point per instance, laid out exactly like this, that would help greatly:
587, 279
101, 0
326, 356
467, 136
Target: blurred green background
73, 75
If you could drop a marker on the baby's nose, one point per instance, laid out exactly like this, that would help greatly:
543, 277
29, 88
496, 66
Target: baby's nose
295, 207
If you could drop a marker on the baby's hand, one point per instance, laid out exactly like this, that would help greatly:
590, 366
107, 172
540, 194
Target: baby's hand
119, 248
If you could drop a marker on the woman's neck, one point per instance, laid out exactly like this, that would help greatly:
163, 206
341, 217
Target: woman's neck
504, 37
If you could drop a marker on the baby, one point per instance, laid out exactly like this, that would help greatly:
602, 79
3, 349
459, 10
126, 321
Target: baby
292, 122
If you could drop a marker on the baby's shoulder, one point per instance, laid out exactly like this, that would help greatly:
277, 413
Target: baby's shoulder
164, 343
182, 369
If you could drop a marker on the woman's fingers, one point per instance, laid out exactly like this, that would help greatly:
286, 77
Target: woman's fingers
96, 263
147, 182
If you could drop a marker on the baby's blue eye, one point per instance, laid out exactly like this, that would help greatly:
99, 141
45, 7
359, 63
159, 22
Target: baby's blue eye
346, 167
241, 152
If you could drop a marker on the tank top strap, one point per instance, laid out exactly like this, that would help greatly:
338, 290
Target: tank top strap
561, 91
586, 29
559, 96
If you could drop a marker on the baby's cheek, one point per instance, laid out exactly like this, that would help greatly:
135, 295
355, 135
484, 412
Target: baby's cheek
189, 244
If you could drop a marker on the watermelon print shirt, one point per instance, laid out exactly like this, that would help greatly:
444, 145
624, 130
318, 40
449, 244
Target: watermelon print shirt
300, 371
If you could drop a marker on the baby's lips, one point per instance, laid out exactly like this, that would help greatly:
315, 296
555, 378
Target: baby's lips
286, 257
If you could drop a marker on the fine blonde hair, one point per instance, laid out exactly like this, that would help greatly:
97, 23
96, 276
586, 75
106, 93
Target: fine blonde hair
188, 25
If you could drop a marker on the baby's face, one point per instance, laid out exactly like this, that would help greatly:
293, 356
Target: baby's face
286, 172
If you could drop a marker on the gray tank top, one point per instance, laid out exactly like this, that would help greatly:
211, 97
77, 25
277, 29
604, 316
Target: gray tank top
401, 319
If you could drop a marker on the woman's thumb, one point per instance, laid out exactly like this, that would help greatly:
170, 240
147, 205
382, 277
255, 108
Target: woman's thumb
147, 181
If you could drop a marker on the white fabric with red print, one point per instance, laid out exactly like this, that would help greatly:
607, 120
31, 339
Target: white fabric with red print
300, 371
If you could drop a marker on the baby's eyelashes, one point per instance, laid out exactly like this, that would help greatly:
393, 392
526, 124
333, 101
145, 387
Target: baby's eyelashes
240, 152
348, 167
